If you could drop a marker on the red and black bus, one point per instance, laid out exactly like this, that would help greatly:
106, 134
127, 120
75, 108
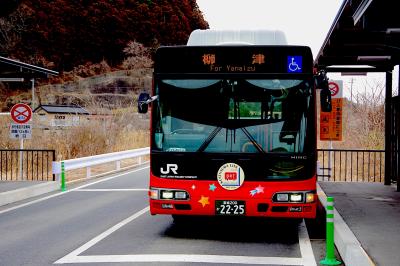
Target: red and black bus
233, 131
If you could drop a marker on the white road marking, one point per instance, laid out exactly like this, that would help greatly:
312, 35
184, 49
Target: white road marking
103, 235
184, 258
307, 254
111, 189
305, 246
74, 189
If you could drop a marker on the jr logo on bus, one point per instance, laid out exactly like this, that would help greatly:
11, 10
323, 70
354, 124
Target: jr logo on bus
230, 176
171, 167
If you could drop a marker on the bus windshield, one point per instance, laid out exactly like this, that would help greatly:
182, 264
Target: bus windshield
232, 115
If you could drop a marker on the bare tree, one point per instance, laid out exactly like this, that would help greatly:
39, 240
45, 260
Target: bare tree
138, 56
366, 118
11, 28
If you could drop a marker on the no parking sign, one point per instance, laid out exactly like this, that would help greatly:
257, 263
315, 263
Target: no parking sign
336, 88
21, 113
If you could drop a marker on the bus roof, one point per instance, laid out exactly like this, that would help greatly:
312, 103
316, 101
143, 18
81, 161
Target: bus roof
236, 37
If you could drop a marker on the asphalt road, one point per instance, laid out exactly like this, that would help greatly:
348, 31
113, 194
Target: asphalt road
106, 222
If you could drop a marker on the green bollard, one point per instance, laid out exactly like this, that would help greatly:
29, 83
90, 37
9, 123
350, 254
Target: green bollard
63, 186
330, 258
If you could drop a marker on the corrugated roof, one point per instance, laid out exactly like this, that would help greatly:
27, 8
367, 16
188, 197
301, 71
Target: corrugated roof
365, 32
14, 68
62, 109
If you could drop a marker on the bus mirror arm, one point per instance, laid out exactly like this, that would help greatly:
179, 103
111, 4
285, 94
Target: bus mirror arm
152, 99
144, 101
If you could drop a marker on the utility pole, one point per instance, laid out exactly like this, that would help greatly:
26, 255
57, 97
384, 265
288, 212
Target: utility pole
351, 90
33, 94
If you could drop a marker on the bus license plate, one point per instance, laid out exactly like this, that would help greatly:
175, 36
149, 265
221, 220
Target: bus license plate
230, 207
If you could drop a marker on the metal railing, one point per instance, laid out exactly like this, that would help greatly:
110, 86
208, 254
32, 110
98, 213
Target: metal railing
88, 162
334, 165
32, 165
351, 165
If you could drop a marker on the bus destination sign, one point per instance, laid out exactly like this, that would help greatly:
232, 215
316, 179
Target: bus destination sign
234, 59
210, 60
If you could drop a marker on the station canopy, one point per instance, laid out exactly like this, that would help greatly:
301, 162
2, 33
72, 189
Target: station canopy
14, 70
364, 35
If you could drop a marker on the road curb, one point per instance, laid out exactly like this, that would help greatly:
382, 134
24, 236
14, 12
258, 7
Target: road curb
27, 192
346, 242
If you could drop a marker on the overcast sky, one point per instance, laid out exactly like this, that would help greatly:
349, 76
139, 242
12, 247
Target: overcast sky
305, 22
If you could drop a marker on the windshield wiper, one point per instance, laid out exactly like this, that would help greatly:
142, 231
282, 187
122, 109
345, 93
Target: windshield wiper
208, 140
253, 141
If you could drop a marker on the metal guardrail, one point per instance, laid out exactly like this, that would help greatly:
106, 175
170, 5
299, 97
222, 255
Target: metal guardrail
351, 165
334, 165
88, 162
26, 164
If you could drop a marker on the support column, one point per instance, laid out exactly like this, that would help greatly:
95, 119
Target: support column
388, 128
397, 119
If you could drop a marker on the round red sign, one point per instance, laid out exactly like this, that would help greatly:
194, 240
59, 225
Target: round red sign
21, 113
334, 88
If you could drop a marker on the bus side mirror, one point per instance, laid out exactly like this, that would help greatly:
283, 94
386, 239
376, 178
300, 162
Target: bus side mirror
326, 101
325, 96
143, 105
144, 101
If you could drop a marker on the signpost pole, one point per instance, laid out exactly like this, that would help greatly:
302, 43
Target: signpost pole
33, 94
21, 158
330, 160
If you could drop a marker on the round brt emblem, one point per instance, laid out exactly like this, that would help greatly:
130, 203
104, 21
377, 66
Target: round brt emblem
230, 176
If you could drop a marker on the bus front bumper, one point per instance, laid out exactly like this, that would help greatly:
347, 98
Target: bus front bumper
208, 198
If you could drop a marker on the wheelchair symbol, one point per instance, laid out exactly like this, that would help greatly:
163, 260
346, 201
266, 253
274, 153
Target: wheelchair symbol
293, 66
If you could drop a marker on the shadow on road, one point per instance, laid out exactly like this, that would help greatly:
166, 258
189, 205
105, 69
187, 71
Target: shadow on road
235, 229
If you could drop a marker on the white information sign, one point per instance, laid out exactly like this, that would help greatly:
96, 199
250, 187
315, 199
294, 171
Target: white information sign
20, 131
64, 121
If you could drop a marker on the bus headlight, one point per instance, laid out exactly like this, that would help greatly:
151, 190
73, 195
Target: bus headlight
168, 194
296, 197
282, 197
165, 194
182, 195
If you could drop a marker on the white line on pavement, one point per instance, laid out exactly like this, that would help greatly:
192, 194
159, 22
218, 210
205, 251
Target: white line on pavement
74, 189
184, 258
100, 237
305, 246
73, 257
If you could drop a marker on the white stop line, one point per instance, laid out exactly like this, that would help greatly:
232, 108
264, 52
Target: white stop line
307, 254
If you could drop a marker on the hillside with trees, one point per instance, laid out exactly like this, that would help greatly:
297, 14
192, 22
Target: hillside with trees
62, 34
